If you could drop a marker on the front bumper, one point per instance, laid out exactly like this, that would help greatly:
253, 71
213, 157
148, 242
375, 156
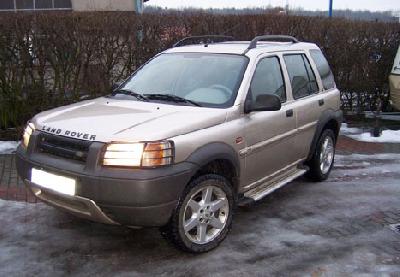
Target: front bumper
132, 197
79, 206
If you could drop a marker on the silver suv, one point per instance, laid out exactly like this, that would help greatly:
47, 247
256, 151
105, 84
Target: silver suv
201, 128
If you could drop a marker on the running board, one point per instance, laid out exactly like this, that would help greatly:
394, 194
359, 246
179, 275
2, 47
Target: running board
267, 188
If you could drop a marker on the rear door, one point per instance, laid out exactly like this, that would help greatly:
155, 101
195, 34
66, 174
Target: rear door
308, 103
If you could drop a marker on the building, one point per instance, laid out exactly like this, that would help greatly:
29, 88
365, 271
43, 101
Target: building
72, 5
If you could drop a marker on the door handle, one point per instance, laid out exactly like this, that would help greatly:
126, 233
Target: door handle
289, 113
321, 102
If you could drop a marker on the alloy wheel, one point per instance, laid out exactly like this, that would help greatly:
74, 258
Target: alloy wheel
205, 215
327, 154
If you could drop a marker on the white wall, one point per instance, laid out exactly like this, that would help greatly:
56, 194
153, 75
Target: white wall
104, 5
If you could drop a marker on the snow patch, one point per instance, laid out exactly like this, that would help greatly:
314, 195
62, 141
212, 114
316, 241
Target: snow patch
388, 136
346, 130
8, 147
365, 157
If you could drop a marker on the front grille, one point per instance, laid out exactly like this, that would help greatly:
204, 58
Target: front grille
64, 147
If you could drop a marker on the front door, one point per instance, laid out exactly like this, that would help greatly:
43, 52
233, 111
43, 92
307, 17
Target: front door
269, 135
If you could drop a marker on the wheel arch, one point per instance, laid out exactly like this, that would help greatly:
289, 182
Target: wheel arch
329, 119
217, 158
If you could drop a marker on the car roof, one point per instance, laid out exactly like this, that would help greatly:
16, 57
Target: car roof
240, 47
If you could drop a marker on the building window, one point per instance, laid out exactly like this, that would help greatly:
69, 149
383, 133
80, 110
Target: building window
44, 4
24, 4
32, 5
7, 5
62, 4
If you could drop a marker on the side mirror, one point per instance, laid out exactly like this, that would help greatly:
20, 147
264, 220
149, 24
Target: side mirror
116, 85
264, 102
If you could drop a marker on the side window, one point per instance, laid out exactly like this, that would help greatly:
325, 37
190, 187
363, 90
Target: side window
324, 70
301, 75
268, 79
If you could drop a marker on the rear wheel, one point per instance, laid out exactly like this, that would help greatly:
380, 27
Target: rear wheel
322, 161
203, 216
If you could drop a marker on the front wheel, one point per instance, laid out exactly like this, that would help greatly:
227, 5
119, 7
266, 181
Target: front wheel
203, 216
323, 158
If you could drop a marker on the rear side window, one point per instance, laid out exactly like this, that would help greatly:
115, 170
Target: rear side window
301, 75
324, 70
268, 79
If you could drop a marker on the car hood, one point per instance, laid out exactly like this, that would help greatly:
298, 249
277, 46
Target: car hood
106, 120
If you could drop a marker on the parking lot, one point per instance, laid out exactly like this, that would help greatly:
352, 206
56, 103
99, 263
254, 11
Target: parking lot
339, 227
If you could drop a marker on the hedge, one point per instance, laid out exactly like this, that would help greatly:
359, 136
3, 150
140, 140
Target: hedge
52, 59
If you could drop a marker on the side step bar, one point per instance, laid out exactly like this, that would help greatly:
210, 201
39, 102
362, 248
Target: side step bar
267, 188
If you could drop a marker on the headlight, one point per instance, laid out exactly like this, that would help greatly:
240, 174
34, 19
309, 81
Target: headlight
27, 134
141, 154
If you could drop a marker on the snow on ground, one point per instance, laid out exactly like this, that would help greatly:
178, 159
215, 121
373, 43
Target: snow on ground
388, 136
364, 157
8, 147
346, 130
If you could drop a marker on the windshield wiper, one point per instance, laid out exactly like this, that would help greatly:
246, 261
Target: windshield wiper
130, 93
171, 97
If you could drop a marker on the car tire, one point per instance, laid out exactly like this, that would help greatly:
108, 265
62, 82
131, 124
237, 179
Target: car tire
323, 158
203, 216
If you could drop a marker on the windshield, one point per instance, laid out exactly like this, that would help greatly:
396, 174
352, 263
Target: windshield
209, 80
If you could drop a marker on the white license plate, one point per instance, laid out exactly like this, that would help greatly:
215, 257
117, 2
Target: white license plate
54, 182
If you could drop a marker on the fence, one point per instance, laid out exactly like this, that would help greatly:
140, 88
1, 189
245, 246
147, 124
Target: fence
52, 59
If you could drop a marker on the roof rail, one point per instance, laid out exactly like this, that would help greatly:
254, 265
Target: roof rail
202, 40
277, 38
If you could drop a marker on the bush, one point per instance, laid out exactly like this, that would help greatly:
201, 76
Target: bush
52, 59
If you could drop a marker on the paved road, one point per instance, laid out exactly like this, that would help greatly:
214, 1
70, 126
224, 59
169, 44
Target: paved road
339, 227
11, 186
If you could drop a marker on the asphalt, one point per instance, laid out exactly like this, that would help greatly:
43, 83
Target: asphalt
340, 227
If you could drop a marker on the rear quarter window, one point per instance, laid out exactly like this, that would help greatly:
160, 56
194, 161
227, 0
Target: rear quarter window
323, 68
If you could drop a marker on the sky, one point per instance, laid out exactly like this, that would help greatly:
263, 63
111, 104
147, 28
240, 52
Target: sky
372, 5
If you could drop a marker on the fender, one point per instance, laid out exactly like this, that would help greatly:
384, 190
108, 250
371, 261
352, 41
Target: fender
326, 116
215, 151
